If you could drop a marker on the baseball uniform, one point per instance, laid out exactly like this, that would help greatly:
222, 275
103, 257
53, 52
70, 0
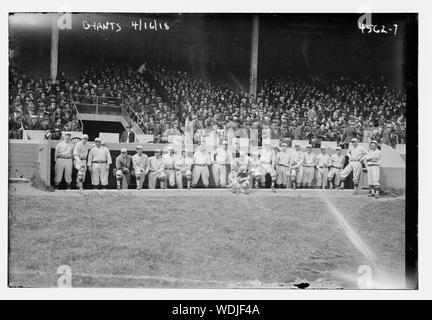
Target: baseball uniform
308, 168
183, 167
99, 159
373, 158
355, 155
322, 163
156, 168
336, 167
139, 164
282, 161
63, 162
200, 169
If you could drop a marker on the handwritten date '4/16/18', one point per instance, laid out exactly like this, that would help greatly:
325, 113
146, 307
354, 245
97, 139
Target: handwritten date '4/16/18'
376, 28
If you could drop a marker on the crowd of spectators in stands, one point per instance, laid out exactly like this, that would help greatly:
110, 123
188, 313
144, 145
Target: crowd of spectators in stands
169, 102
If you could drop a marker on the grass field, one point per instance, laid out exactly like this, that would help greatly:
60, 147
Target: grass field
204, 238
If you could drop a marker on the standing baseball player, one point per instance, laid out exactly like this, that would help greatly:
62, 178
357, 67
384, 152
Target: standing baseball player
267, 157
355, 155
98, 162
309, 163
373, 158
221, 158
156, 168
201, 160
63, 161
122, 170
337, 161
183, 168
296, 164
282, 161
255, 170
169, 159
322, 164
139, 164
80, 153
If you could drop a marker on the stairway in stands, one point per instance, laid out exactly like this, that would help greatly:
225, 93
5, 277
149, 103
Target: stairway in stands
107, 113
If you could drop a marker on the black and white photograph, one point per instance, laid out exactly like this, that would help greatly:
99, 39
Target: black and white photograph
212, 150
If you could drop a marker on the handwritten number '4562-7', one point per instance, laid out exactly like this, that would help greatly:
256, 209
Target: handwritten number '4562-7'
375, 28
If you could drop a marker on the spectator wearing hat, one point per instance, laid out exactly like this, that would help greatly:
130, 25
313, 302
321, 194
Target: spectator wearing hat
348, 134
128, 136
139, 166
337, 162
123, 168
63, 161
373, 158
98, 161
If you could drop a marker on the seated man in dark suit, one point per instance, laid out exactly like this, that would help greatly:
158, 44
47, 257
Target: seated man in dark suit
128, 136
123, 167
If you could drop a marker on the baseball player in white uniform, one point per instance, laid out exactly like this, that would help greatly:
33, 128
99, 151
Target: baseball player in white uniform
169, 159
63, 161
309, 162
80, 153
98, 162
356, 155
221, 158
255, 170
139, 165
296, 164
282, 161
183, 168
201, 160
373, 158
322, 164
337, 161
156, 169
267, 157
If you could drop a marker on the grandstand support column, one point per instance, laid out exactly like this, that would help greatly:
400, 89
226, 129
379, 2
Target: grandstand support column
253, 75
54, 47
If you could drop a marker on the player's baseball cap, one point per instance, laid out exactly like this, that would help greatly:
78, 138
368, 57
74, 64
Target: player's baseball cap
170, 148
123, 150
84, 136
67, 133
309, 146
338, 148
98, 140
354, 140
373, 142
158, 150
138, 147
323, 148
284, 144
225, 142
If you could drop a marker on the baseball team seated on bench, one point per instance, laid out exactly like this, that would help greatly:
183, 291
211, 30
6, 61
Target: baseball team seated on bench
238, 171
